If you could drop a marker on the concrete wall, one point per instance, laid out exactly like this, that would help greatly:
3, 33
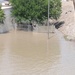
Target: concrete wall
64, 0
7, 26
8, 18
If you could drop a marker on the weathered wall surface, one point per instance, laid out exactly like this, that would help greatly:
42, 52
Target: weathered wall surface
68, 17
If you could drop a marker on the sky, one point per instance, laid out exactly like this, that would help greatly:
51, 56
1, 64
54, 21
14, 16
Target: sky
1, 1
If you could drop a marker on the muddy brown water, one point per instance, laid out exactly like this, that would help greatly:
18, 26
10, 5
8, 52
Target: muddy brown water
31, 53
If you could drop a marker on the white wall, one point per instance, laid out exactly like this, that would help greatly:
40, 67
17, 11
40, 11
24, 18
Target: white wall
64, 0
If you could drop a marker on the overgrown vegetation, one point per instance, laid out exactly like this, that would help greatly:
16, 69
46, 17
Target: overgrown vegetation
2, 17
35, 10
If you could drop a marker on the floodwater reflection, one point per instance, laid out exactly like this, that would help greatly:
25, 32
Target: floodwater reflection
31, 53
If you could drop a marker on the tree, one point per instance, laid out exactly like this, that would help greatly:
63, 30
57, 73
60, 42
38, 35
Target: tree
55, 9
2, 17
35, 10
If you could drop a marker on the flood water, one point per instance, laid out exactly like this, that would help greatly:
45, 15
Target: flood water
31, 53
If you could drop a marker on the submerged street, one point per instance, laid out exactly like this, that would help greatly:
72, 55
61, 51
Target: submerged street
31, 53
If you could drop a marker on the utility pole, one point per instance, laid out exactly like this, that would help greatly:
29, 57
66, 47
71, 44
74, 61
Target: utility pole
48, 17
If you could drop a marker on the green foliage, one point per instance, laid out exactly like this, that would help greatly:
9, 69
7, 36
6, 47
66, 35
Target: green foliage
1, 15
55, 9
35, 10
